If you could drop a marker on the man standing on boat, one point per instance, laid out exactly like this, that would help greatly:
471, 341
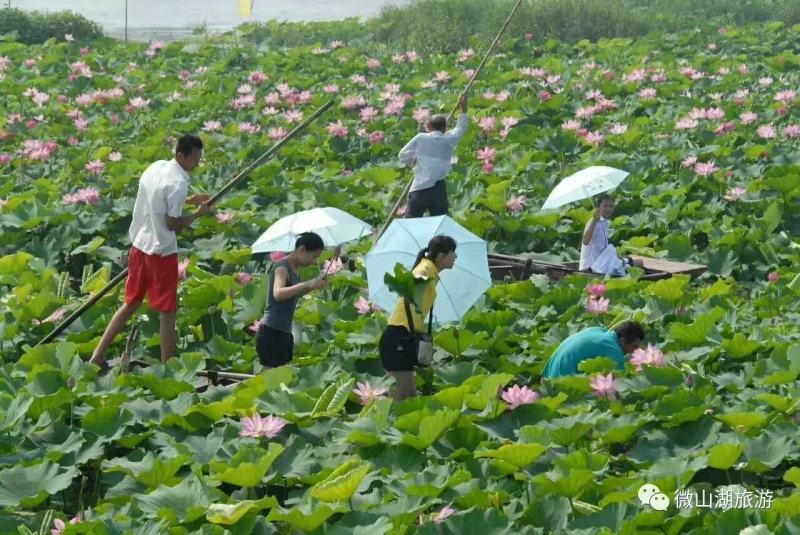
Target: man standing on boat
597, 253
432, 151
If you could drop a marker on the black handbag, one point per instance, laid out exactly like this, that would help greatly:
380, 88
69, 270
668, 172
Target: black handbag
422, 343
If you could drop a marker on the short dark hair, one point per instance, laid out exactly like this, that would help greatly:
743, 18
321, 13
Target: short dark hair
311, 241
630, 331
187, 143
602, 197
437, 122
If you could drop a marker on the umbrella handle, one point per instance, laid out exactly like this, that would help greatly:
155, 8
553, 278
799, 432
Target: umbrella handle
336, 256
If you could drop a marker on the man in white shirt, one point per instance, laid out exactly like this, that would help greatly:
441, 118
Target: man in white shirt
597, 253
153, 260
432, 152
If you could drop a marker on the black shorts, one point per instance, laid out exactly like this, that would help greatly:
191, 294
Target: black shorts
274, 347
433, 199
397, 349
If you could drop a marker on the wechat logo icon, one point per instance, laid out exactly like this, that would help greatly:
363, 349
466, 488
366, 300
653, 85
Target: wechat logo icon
651, 495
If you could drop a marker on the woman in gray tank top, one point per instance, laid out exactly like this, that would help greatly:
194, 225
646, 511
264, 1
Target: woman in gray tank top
274, 341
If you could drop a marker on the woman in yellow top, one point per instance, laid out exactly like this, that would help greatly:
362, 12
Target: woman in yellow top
397, 347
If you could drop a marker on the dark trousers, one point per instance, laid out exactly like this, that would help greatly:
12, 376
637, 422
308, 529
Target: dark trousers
433, 199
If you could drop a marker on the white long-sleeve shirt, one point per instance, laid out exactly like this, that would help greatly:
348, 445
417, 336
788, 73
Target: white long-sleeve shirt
162, 192
432, 152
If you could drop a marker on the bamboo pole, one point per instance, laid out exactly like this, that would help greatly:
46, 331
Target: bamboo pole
233, 182
450, 115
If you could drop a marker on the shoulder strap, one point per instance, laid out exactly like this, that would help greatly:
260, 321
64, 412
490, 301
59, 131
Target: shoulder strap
430, 322
409, 318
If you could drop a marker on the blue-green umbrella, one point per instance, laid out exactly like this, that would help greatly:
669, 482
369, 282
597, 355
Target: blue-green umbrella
458, 288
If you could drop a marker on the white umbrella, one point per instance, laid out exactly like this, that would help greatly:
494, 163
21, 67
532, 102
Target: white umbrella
584, 184
334, 226
458, 288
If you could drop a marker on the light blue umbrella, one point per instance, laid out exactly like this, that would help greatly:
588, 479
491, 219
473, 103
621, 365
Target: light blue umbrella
458, 288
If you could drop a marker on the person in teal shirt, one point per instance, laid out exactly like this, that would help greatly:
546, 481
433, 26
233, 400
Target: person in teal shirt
594, 342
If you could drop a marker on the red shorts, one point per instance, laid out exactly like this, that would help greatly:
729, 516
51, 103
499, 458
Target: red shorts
156, 276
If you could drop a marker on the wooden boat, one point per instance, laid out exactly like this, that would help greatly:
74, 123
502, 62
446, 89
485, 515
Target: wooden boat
521, 267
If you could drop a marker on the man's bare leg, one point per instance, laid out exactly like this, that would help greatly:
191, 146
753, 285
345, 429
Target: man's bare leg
169, 336
116, 325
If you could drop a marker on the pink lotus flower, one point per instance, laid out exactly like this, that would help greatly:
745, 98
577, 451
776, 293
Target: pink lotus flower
72, 141
243, 278
487, 124
182, 267
651, 356
395, 107
724, 128
367, 393
373, 63
464, 55
571, 124
686, 123
354, 102
487, 154
249, 128
689, 161
255, 326
766, 131
363, 306
34, 149
443, 514
734, 194
421, 115
95, 167
773, 277
792, 131
333, 45
270, 111
596, 290
272, 99
330, 89
597, 306
337, 129
294, 116
529, 37
212, 126
787, 97
715, 113
397, 59
59, 525
277, 133
510, 122
255, 426
275, 256
618, 129
225, 217
83, 196
331, 267
138, 103
595, 138
358, 79
244, 101
4, 158
257, 77
377, 137
488, 166
636, 75
748, 117
705, 168
517, 396
765, 81
441, 77
368, 114
412, 56
515, 205
604, 386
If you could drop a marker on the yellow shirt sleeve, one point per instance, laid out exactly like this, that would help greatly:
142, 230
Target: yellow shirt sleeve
426, 269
